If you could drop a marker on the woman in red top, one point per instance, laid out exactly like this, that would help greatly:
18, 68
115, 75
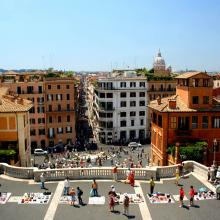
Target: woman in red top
191, 194
181, 193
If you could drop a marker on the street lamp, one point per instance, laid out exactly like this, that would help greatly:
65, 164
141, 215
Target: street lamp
214, 150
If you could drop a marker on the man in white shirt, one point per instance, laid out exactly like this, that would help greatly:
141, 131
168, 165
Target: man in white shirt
66, 186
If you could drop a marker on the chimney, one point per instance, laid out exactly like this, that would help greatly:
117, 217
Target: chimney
158, 100
172, 103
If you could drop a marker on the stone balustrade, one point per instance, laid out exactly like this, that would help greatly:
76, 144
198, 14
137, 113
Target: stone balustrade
99, 172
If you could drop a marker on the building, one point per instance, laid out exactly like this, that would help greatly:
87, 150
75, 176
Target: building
14, 129
119, 107
52, 117
191, 114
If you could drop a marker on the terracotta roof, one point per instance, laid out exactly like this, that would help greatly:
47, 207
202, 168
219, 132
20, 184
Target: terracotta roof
180, 105
187, 75
10, 103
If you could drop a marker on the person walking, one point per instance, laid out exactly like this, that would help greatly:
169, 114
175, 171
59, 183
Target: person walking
66, 186
79, 195
177, 174
73, 196
152, 184
42, 180
95, 188
181, 196
111, 202
191, 195
115, 173
126, 205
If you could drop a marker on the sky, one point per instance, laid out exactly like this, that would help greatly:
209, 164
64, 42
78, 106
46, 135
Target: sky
101, 35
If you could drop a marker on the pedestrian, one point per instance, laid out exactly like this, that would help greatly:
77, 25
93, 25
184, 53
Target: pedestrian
218, 192
177, 176
152, 184
66, 186
209, 174
111, 202
79, 195
42, 180
115, 173
73, 196
126, 205
94, 188
181, 196
191, 195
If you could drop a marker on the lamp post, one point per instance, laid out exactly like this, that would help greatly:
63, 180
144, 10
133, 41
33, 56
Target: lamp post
214, 150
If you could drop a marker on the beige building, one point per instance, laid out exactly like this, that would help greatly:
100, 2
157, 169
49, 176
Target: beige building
14, 129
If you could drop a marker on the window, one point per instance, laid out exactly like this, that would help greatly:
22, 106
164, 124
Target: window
122, 114
50, 108
205, 122
40, 89
132, 114
142, 113
67, 86
68, 118
32, 132
40, 100
68, 129
59, 119
132, 103
205, 99
216, 147
195, 82
154, 118
109, 95
123, 104
123, 84
132, 84
49, 97
216, 122
68, 107
49, 86
59, 130
59, 108
59, 97
51, 132
58, 86
194, 122
141, 121
195, 99
40, 109
132, 122
50, 119
142, 84
30, 89
32, 110
41, 131
205, 82
133, 94
141, 94
18, 90
123, 123
41, 120
142, 103
183, 123
67, 96
102, 95
32, 121
123, 95
160, 121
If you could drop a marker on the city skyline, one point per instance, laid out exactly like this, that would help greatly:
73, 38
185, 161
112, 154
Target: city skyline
97, 36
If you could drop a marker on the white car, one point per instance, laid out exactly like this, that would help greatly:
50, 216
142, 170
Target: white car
40, 151
134, 145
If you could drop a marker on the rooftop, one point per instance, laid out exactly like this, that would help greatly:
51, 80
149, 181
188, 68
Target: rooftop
188, 75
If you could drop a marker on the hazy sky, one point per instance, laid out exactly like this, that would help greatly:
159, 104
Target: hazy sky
105, 34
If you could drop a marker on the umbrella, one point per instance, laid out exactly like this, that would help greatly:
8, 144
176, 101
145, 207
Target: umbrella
203, 189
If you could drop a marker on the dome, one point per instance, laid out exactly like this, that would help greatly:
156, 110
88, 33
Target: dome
159, 62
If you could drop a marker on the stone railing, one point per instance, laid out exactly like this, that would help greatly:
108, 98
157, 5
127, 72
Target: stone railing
100, 172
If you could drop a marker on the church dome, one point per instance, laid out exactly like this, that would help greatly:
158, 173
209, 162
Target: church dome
159, 62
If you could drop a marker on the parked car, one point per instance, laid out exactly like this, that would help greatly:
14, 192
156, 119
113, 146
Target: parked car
40, 151
134, 145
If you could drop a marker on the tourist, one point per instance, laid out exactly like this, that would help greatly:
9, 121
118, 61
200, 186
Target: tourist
79, 195
191, 195
181, 194
66, 186
94, 188
115, 173
42, 180
111, 202
126, 205
132, 181
73, 196
209, 174
177, 176
152, 184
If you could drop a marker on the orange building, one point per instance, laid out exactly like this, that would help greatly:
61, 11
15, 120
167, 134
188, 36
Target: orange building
192, 114
14, 128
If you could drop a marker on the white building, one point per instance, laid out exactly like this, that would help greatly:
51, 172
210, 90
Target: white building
119, 107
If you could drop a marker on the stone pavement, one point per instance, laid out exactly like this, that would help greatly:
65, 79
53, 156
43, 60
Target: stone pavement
208, 209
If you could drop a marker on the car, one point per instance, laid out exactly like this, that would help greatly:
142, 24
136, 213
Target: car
134, 145
40, 151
